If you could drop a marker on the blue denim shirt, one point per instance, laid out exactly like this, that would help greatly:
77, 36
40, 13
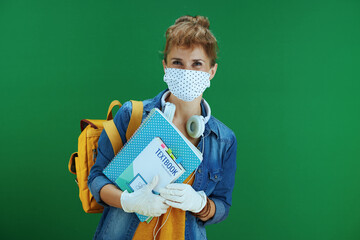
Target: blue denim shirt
215, 176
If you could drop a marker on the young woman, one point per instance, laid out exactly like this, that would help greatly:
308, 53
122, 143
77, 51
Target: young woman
182, 210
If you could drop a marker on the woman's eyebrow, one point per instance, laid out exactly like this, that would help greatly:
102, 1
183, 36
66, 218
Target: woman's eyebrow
198, 60
176, 59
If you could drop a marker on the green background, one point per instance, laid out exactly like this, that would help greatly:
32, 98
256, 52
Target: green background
287, 84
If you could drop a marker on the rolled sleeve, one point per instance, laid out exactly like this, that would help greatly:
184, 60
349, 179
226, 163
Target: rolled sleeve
222, 194
220, 213
96, 185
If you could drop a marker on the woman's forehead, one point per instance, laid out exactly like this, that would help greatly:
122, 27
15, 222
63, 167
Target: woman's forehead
193, 52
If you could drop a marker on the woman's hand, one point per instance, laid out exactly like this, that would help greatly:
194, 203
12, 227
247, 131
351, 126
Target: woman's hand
143, 201
184, 197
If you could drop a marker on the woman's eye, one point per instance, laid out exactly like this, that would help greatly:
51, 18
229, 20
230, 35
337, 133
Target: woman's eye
197, 63
176, 62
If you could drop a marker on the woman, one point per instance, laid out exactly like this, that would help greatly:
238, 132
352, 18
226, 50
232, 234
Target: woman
182, 210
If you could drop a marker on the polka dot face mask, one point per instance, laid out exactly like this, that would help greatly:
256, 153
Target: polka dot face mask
186, 84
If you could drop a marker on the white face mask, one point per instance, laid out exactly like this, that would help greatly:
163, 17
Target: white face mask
186, 84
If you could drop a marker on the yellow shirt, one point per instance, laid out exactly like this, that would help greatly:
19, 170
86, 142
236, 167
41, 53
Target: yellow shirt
174, 227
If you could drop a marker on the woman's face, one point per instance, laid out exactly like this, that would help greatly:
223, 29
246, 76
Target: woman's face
193, 58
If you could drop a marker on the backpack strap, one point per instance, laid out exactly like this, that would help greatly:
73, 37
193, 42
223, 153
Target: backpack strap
134, 123
136, 117
113, 135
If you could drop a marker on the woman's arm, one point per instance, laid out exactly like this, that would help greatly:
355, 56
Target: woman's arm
97, 180
203, 216
111, 195
222, 194
106, 193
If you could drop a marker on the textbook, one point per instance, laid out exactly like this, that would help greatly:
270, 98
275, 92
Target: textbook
155, 159
155, 125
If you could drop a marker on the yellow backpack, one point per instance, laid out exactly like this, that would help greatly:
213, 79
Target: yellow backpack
81, 161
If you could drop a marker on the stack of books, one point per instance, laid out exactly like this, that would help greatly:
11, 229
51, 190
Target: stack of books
156, 148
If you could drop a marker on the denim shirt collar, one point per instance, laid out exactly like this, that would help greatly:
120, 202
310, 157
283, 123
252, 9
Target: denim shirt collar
210, 126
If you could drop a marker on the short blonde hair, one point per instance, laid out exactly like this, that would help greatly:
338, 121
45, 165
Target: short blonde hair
190, 31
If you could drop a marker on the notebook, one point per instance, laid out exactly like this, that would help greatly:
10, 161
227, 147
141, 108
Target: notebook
155, 125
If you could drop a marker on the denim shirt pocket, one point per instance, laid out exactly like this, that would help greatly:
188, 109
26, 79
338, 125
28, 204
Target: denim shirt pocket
214, 176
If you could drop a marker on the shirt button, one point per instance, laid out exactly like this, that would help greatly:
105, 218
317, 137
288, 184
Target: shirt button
199, 170
215, 176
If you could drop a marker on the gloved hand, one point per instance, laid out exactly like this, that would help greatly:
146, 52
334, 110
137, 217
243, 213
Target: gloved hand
143, 201
184, 197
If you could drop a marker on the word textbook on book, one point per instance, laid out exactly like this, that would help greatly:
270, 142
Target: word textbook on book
153, 126
155, 159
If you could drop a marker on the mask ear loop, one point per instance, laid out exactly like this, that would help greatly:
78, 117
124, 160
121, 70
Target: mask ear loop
193, 174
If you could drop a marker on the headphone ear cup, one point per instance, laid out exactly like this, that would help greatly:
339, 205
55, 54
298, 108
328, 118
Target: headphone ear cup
195, 126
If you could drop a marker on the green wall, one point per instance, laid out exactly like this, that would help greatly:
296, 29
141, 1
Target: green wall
288, 84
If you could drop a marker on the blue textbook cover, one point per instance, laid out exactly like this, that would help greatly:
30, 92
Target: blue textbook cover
155, 125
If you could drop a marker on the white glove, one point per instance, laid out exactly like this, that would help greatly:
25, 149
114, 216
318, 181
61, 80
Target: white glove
143, 201
184, 197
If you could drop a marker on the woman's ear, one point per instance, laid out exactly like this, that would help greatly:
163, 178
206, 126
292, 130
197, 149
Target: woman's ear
164, 64
213, 71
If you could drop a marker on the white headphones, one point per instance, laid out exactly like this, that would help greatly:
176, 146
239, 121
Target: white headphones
195, 126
